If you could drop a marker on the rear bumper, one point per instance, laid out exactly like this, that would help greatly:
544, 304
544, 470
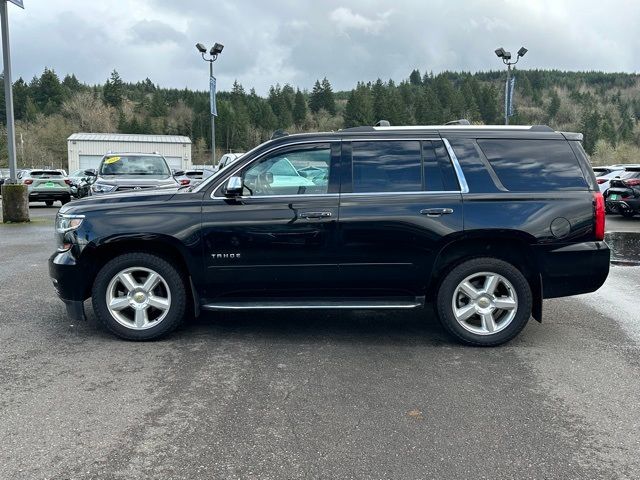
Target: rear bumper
572, 269
44, 196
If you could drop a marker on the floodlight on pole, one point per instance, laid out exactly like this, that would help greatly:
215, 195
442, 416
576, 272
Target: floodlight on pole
213, 56
506, 59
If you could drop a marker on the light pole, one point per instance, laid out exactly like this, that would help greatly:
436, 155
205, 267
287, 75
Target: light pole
213, 56
506, 59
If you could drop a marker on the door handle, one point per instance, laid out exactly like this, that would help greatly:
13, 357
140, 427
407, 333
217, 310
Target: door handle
309, 215
436, 212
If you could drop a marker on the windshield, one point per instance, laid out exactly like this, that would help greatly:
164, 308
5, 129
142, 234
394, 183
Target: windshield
134, 165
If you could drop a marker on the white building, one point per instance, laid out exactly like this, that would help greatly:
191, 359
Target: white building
87, 149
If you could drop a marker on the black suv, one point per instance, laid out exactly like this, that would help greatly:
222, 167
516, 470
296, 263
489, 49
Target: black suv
484, 222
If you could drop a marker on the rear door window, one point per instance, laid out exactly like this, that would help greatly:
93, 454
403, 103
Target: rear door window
387, 166
534, 165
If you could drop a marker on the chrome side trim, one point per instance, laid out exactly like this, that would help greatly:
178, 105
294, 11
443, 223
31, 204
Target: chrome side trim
464, 187
375, 194
70, 215
312, 306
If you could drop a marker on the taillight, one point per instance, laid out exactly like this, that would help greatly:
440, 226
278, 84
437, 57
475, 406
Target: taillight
601, 180
599, 215
28, 181
67, 181
632, 182
185, 181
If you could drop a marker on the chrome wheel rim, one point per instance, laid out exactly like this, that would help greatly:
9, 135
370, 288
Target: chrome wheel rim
138, 298
485, 303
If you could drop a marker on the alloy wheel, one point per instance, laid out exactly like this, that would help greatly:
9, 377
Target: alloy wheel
138, 298
484, 303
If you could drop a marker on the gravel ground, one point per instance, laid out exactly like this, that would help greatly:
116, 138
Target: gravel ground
320, 395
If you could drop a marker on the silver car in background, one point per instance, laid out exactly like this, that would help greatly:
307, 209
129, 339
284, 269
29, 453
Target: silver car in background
125, 172
47, 186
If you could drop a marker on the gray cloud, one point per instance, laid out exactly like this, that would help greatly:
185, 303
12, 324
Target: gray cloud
297, 41
155, 32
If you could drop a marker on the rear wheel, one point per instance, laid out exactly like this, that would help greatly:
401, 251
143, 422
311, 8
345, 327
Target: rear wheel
139, 296
65, 200
49, 203
484, 301
628, 213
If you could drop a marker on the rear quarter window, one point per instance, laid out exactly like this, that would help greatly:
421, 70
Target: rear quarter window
534, 165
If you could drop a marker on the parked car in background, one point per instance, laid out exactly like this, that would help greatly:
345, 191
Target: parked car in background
125, 172
623, 195
604, 180
382, 226
4, 175
47, 186
227, 159
604, 170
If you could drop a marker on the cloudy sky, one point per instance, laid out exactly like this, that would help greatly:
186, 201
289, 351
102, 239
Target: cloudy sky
297, 41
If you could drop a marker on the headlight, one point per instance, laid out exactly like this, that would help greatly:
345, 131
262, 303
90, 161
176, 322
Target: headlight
102, 188
66, 223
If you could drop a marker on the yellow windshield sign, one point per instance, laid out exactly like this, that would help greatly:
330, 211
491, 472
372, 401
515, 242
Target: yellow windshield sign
111, 160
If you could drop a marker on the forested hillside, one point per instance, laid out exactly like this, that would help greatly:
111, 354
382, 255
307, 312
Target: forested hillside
604, 106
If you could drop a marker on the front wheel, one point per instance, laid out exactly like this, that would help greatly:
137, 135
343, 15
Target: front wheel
139, 296
484, 302
628, 213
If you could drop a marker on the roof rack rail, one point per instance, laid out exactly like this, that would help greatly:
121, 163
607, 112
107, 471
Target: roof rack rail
461, 121
278, 133
541, 128
383, 123
358, 129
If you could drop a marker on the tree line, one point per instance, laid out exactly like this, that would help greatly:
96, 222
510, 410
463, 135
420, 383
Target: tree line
603, 106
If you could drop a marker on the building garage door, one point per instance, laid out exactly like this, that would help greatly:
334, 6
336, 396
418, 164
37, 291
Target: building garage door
174, 162
90, 161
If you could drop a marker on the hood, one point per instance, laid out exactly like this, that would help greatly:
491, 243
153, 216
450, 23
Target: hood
117, 200
137, 180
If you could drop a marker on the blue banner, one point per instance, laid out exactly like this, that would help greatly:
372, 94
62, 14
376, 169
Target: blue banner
212, 96
512, 87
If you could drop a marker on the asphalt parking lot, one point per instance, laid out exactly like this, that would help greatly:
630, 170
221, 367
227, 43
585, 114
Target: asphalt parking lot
315, 395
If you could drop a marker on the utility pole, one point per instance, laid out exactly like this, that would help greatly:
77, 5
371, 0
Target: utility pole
508, 88
8, 91
15, 196
213, 56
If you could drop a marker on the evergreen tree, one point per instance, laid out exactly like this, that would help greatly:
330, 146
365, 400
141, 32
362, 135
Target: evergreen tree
299, 108
359, 109
316, 97
590, 128
380, 101
554, 105
415, 78
113, 91
48, 94
158, 107
328, 100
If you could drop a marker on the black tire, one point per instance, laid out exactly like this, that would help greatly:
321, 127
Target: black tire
65, 200
175, 282
458, 274
49, 203
627, 213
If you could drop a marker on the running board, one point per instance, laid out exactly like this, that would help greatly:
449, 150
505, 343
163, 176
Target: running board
315, 304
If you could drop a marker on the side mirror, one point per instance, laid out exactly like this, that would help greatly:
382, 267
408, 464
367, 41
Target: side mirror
90, 172
177, 173
234, 187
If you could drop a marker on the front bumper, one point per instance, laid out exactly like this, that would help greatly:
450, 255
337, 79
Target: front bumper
69, 283
572, 269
